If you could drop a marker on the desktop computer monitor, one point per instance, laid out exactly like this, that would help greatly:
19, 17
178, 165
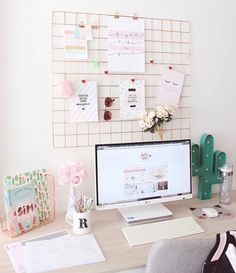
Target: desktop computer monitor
136, 177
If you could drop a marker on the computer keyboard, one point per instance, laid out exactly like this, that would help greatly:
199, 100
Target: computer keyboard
169, 229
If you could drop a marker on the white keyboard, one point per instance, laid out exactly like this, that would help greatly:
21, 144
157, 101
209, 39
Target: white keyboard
169, 229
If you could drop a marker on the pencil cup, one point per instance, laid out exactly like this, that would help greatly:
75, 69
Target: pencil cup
81, 221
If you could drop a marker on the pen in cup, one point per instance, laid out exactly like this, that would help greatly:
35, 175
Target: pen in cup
83, 204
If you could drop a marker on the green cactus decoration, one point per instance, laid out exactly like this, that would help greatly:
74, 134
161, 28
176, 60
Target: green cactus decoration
206, 165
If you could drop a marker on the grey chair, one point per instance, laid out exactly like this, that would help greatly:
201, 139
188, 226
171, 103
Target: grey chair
179, 256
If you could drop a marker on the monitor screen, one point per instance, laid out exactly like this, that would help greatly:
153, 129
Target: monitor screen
128, 174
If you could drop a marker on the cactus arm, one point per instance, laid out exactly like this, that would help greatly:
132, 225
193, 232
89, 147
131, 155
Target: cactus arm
195, 159
219, 161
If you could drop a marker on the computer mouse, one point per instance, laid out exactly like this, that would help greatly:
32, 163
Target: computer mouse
210, 212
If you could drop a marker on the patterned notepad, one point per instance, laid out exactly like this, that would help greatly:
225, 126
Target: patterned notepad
75, 45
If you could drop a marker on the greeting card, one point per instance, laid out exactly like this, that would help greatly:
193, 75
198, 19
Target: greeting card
126, 45
132, 99
83, 105
170, 88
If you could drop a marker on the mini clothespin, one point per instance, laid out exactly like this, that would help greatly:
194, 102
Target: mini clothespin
81, 24
96, 63
83, 81
94, 26
135, 17
116, 15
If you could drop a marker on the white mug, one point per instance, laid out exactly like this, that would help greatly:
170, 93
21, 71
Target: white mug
81, 221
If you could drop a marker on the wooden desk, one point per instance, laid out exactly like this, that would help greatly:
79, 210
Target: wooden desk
106, 227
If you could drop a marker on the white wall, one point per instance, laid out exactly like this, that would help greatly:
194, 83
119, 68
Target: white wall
25, 77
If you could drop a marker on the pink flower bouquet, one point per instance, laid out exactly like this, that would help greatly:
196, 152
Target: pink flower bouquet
72, 173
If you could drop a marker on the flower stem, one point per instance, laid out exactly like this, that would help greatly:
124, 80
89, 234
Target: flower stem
160, 131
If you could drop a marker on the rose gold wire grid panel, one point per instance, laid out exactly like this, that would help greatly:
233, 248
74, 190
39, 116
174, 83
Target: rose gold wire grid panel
167, 43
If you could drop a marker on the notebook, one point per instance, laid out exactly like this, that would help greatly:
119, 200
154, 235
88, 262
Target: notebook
38, 178
21, 207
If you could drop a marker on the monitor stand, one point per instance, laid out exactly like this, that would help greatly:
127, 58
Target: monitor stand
145, 213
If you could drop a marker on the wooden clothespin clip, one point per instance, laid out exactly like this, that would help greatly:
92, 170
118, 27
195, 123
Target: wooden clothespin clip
116, 15
94, 26
81, 24
135, 17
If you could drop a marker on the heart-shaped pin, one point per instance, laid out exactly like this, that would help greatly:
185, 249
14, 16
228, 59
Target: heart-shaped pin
170, 67
106, 72
151, 61
83, 81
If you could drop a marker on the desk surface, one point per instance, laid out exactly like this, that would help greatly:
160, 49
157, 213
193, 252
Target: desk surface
106, 227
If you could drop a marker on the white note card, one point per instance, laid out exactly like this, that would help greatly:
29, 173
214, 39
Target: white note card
85, 32
132, 99
126, 45
83, 105
170, 88
62, 252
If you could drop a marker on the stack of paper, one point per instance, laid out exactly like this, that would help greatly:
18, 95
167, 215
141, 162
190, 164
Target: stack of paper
57, 250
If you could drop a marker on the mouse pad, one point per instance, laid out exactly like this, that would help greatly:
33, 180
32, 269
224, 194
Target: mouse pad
223, 213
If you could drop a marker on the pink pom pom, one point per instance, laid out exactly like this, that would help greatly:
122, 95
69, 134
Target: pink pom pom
67, 89
64, 175
82, 172
73, 167
63, 180
72, 173
76, 179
